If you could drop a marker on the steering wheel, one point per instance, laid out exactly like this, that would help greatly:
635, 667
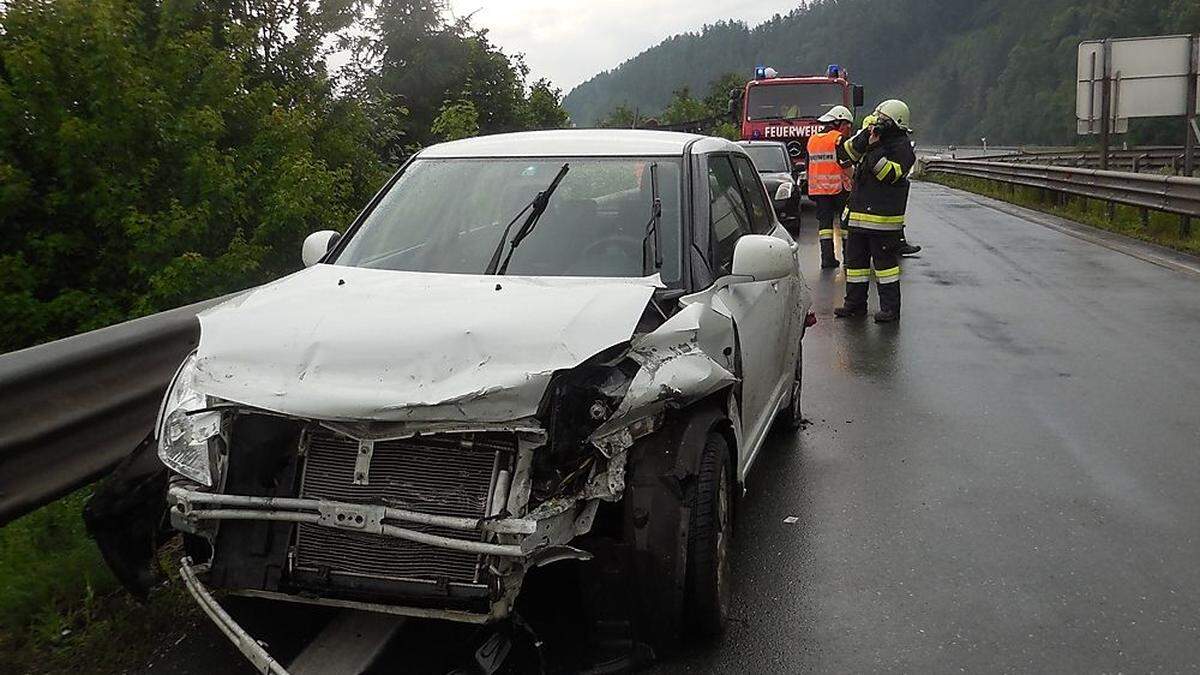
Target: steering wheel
631, 246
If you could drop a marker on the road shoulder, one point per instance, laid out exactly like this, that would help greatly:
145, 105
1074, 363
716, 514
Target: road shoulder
1148, 252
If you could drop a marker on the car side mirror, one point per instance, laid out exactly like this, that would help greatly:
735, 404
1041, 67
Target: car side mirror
761, 257
316, 245
858, 96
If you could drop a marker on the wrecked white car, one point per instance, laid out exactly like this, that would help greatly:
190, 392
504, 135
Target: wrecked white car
528, 348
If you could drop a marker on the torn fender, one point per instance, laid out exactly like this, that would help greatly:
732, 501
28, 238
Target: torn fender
687, 358
347, 343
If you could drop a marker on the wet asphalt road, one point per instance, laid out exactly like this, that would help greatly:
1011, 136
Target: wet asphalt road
1005, 481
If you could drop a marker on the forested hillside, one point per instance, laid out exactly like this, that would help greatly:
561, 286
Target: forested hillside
157, 152
1003, 69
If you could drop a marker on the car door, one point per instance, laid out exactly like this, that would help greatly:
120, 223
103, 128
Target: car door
759, 308
783, 324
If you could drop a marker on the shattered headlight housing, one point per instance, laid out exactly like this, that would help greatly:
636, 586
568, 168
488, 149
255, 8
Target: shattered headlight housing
784, 191
622, 437
185, 427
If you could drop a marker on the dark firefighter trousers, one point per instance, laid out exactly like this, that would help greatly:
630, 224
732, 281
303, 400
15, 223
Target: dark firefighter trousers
829, 208
867, 249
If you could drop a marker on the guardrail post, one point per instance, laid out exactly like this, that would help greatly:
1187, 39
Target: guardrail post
1145, 215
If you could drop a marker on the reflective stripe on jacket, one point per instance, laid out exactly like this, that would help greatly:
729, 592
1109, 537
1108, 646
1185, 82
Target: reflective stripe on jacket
880, 195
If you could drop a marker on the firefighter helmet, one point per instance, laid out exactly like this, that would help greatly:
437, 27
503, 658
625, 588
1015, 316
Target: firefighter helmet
838, 113
895, 110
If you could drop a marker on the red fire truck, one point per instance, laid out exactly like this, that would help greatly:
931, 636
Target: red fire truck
785, 109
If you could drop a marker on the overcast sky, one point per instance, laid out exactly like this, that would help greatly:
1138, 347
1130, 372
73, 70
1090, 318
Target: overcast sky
568, 41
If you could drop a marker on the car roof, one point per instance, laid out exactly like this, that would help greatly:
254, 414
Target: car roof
758, 143
577, 142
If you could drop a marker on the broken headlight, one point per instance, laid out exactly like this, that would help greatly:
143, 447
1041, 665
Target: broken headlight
185, 427
578, 402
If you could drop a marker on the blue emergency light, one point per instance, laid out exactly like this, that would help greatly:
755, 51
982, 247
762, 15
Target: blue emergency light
834, 70
760, 72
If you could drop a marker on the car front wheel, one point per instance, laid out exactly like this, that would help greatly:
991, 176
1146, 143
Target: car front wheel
710, 536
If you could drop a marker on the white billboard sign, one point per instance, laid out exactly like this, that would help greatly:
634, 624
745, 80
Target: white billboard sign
1147, 78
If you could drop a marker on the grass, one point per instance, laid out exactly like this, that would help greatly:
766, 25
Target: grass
1160, 228
61, 611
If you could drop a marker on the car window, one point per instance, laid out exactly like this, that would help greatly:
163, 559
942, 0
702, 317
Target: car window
449, 216
729, 218
770, 158
760, 210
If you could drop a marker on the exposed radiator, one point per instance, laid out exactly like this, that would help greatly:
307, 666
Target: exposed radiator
444, 474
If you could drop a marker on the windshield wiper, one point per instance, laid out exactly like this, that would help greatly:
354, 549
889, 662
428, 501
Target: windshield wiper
535, 208
652, 226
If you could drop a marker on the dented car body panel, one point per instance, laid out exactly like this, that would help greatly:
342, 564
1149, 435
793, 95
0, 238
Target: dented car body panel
416, 441
347, 343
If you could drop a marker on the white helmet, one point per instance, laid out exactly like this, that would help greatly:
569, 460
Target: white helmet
838, 113
897, 111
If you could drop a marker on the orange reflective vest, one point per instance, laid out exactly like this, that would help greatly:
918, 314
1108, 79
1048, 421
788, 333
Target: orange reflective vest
825, 175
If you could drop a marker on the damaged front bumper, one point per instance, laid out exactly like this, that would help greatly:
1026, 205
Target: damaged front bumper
504, 546
252, 649
533, 543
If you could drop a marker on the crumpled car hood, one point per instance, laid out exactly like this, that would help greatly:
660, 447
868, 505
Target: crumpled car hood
346, 343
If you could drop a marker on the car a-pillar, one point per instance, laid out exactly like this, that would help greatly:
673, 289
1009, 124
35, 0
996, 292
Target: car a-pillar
662, 482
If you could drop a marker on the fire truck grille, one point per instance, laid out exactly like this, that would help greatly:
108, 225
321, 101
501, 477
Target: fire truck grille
446, 474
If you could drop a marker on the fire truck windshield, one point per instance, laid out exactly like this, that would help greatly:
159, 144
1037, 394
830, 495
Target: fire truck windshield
792, 101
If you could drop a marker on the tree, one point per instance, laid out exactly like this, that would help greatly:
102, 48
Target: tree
719, 90
544, 108
158, 152
412, 55
456, 120
967, 69
221, 146
621, 117
683, 108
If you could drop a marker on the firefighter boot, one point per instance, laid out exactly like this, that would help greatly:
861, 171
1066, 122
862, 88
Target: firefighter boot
889, 303
856, 301
907, 248
828, 260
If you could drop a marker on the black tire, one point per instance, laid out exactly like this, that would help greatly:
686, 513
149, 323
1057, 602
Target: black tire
710, 535
792, 416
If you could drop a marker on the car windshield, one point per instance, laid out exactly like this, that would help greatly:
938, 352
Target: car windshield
448, 215
768, 158
792, 101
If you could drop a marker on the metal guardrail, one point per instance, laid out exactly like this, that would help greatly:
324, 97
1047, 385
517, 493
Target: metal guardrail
1170, 194
1136, 159
1152, 158
72, 409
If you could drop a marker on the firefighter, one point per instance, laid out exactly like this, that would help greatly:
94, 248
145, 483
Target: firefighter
828, 182
906, 249
883, 155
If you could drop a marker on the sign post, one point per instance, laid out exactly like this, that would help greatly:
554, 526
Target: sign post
1189, 120
1118, 79
1106, 111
